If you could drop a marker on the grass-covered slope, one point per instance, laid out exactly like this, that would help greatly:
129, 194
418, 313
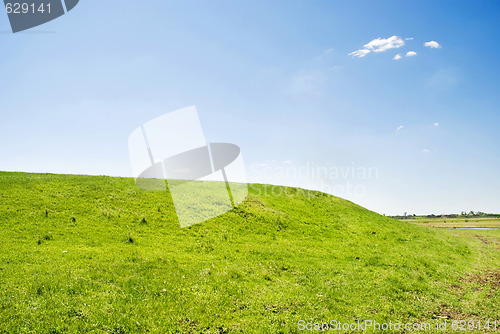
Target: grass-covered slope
83, 253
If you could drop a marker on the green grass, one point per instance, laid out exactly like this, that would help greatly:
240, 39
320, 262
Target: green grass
97, 254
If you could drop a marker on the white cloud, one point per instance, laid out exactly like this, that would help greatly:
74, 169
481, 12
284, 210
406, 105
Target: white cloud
436, 124
426, 150
360, 53
411, 54
379, 45
400, 127
397, 57
432, 45
408, 38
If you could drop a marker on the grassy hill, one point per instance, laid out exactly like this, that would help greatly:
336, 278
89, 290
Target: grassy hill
86, 253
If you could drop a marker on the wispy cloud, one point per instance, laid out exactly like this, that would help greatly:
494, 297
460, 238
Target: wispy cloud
411, 54
436, 124
360, 53
426, 151
408, 38
443, 79
324, 54
401, 127
306, 83
432, 45
379, 45
397, 57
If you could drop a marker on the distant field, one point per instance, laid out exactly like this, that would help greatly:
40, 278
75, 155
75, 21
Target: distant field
93, 254
456, 222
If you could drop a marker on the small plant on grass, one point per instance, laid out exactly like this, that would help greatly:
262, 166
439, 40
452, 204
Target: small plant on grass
130, 240
46, 237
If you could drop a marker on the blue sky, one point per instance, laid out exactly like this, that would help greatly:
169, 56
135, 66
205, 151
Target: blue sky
279, 79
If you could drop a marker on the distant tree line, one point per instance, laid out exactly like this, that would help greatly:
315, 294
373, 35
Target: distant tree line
463, 214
